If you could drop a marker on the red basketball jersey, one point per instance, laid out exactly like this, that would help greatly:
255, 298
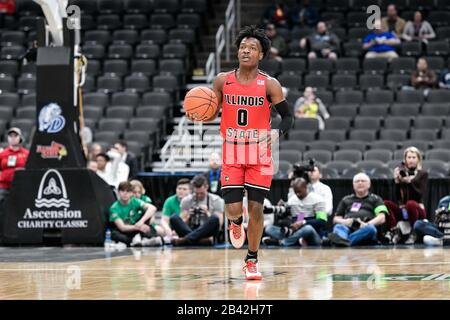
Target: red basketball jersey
245, 109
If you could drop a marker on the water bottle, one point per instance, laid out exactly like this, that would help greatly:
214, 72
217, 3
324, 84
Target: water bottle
108, 241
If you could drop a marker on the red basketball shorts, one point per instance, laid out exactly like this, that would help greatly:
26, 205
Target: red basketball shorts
246, 166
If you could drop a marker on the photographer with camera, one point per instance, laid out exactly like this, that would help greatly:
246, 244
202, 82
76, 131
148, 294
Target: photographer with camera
201, 215
301, 222
410, 185
358, 215
311, 173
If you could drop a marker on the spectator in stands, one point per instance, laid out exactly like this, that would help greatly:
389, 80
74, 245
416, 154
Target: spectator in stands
111, 169
172, 206
277, 13
432, 234
444, 78
380, 43
213, 174
202, 214
7, 7
131, 219
127, 157
322, 43
410, 186
30, 56
94, 150
139, 193
304, 15
392, 22
13, 158
310, 106
358, 215
307, 220
423, 78
323, 190
418, 29
278, 48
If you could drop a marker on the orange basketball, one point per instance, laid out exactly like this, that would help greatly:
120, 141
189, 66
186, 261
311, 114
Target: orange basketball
200, 103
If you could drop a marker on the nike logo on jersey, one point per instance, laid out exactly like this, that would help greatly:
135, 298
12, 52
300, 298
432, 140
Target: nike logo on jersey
228, 83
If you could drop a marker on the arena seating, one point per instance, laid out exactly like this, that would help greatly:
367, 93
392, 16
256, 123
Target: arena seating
140, 55
371, 117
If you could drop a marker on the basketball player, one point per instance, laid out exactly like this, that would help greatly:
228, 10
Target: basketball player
247, 96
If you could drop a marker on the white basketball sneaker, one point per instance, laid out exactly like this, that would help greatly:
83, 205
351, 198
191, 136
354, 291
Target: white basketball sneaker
237, 233
251, 270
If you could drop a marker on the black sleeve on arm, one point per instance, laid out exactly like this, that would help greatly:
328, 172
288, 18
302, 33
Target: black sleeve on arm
287, 119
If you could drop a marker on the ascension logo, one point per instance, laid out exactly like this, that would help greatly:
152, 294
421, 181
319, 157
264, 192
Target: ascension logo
53, 151
52, 206
52, 191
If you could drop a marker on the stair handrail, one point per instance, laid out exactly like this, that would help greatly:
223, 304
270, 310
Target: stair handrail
230, 27
210, 67
220, 45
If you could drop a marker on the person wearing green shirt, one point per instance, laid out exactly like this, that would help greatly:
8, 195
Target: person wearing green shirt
131, 217
172, 205
139, 193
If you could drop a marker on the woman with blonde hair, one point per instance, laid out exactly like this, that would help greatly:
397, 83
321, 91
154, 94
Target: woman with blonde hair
139, 193
310, 106
410, 186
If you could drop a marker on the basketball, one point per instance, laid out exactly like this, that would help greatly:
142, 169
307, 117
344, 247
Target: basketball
200, 103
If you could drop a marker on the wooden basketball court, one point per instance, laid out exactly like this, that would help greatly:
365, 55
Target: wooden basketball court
169, 273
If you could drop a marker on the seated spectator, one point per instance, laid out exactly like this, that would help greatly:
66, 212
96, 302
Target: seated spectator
304, 15
444, 78
202, 214
111, 169
277, 13
317, 186
410, 186
30, 56
128, 157
172, 207
86, 139
432, 234
392, 22
13, 158
94, 150
131, 219
310, 106
278, 48
418, 29
358, 215
306, 222
314, 185
7, 7
322, 43
213, 174
139, 193
422, 77
380, 43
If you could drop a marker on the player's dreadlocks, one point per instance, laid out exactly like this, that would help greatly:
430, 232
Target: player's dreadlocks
258, 34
